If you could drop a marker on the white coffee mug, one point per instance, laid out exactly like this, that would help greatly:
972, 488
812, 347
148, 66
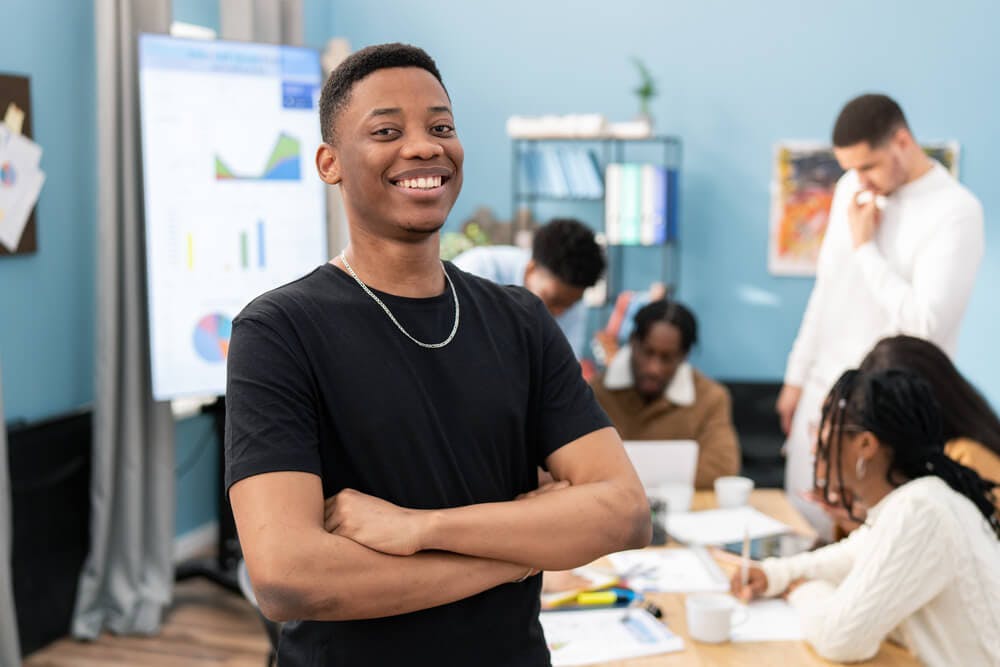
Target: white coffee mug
710, 617
733, 491
676, 495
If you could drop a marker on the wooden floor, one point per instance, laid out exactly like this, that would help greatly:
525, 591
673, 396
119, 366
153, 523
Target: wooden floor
205, 626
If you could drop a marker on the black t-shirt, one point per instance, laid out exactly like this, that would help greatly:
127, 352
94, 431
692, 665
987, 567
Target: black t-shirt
321, 381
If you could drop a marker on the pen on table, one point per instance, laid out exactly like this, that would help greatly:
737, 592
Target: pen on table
745, 558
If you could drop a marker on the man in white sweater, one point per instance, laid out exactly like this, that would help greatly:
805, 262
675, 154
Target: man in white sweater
900, 256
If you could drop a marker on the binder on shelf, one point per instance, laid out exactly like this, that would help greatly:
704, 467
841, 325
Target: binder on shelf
630, 214
592, 170
559, 173
530, 178
555, 180
672, 190
612, 204
641, 204
654, 203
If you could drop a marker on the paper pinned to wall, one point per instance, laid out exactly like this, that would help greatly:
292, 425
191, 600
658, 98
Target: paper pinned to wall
21, 181
14, 118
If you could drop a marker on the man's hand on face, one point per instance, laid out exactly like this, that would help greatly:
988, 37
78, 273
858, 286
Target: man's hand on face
375, 523
863, 217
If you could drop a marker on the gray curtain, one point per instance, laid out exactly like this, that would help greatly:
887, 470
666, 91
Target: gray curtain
10, 650
128, 577
267, 21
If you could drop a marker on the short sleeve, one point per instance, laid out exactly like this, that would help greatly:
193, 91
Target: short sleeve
569, 409
271, 414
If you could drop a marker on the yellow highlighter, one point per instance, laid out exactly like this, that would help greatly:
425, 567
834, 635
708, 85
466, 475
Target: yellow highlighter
597, 598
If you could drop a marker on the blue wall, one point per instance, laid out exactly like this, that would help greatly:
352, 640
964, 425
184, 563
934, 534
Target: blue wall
734, 80
47, 299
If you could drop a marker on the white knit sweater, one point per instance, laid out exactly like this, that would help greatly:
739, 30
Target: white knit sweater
923, 571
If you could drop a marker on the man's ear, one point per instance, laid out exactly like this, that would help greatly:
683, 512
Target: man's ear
902, 137
529, 268
328, 164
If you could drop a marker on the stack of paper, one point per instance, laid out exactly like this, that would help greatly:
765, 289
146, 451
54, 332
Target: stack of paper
767, 621
589, 637
670, 571
722, 526
21, 182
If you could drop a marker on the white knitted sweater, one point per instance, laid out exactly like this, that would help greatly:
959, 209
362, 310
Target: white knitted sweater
923, 571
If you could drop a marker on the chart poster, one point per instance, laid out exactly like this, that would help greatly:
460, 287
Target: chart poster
233, 205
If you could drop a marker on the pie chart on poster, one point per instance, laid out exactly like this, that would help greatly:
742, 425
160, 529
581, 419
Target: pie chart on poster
211, 337
7, 176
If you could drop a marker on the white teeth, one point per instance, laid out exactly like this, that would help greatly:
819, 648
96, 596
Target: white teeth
426, 183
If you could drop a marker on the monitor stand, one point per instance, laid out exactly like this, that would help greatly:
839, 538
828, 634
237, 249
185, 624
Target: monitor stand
222, 568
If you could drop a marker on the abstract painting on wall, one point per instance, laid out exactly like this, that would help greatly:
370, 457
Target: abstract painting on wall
804, 177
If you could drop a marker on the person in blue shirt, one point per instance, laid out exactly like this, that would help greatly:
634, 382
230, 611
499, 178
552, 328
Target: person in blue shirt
564, 260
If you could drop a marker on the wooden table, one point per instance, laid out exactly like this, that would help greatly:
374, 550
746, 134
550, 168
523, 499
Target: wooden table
781, 654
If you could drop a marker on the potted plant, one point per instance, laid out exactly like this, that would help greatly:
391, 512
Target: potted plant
646, 91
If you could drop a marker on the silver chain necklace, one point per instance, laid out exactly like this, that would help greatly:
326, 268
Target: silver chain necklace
432, 346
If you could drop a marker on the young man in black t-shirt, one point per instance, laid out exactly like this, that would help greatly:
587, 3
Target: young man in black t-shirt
418, 401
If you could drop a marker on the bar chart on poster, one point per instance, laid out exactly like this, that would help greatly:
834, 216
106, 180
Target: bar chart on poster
233, 206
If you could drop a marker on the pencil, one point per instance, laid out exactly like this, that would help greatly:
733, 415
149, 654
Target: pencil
745, 559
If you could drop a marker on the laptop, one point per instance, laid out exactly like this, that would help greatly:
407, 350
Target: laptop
663, 461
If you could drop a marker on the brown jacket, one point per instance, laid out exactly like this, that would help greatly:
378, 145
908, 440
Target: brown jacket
708, 420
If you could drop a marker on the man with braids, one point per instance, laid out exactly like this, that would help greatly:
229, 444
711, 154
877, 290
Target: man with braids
652, 392
387, 414
564, 261
924, 569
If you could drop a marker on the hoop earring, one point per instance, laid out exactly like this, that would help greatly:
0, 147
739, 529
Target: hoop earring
859, 469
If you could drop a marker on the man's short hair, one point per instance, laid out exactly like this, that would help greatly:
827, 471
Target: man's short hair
568, 250
868, 118
671, 312
358, 65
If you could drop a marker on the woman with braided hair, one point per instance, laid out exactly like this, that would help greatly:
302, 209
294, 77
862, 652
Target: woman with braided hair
923, 568
971, 428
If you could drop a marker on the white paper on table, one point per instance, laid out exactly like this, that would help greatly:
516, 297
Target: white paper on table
689, 570
14, 215
589, 637
768, 621
721, 526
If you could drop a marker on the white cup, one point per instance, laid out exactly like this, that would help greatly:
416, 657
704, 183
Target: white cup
733, 491
710, 617
675, 495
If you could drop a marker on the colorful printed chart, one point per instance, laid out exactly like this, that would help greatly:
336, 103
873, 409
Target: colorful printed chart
284, 164
211, 337
8, 177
